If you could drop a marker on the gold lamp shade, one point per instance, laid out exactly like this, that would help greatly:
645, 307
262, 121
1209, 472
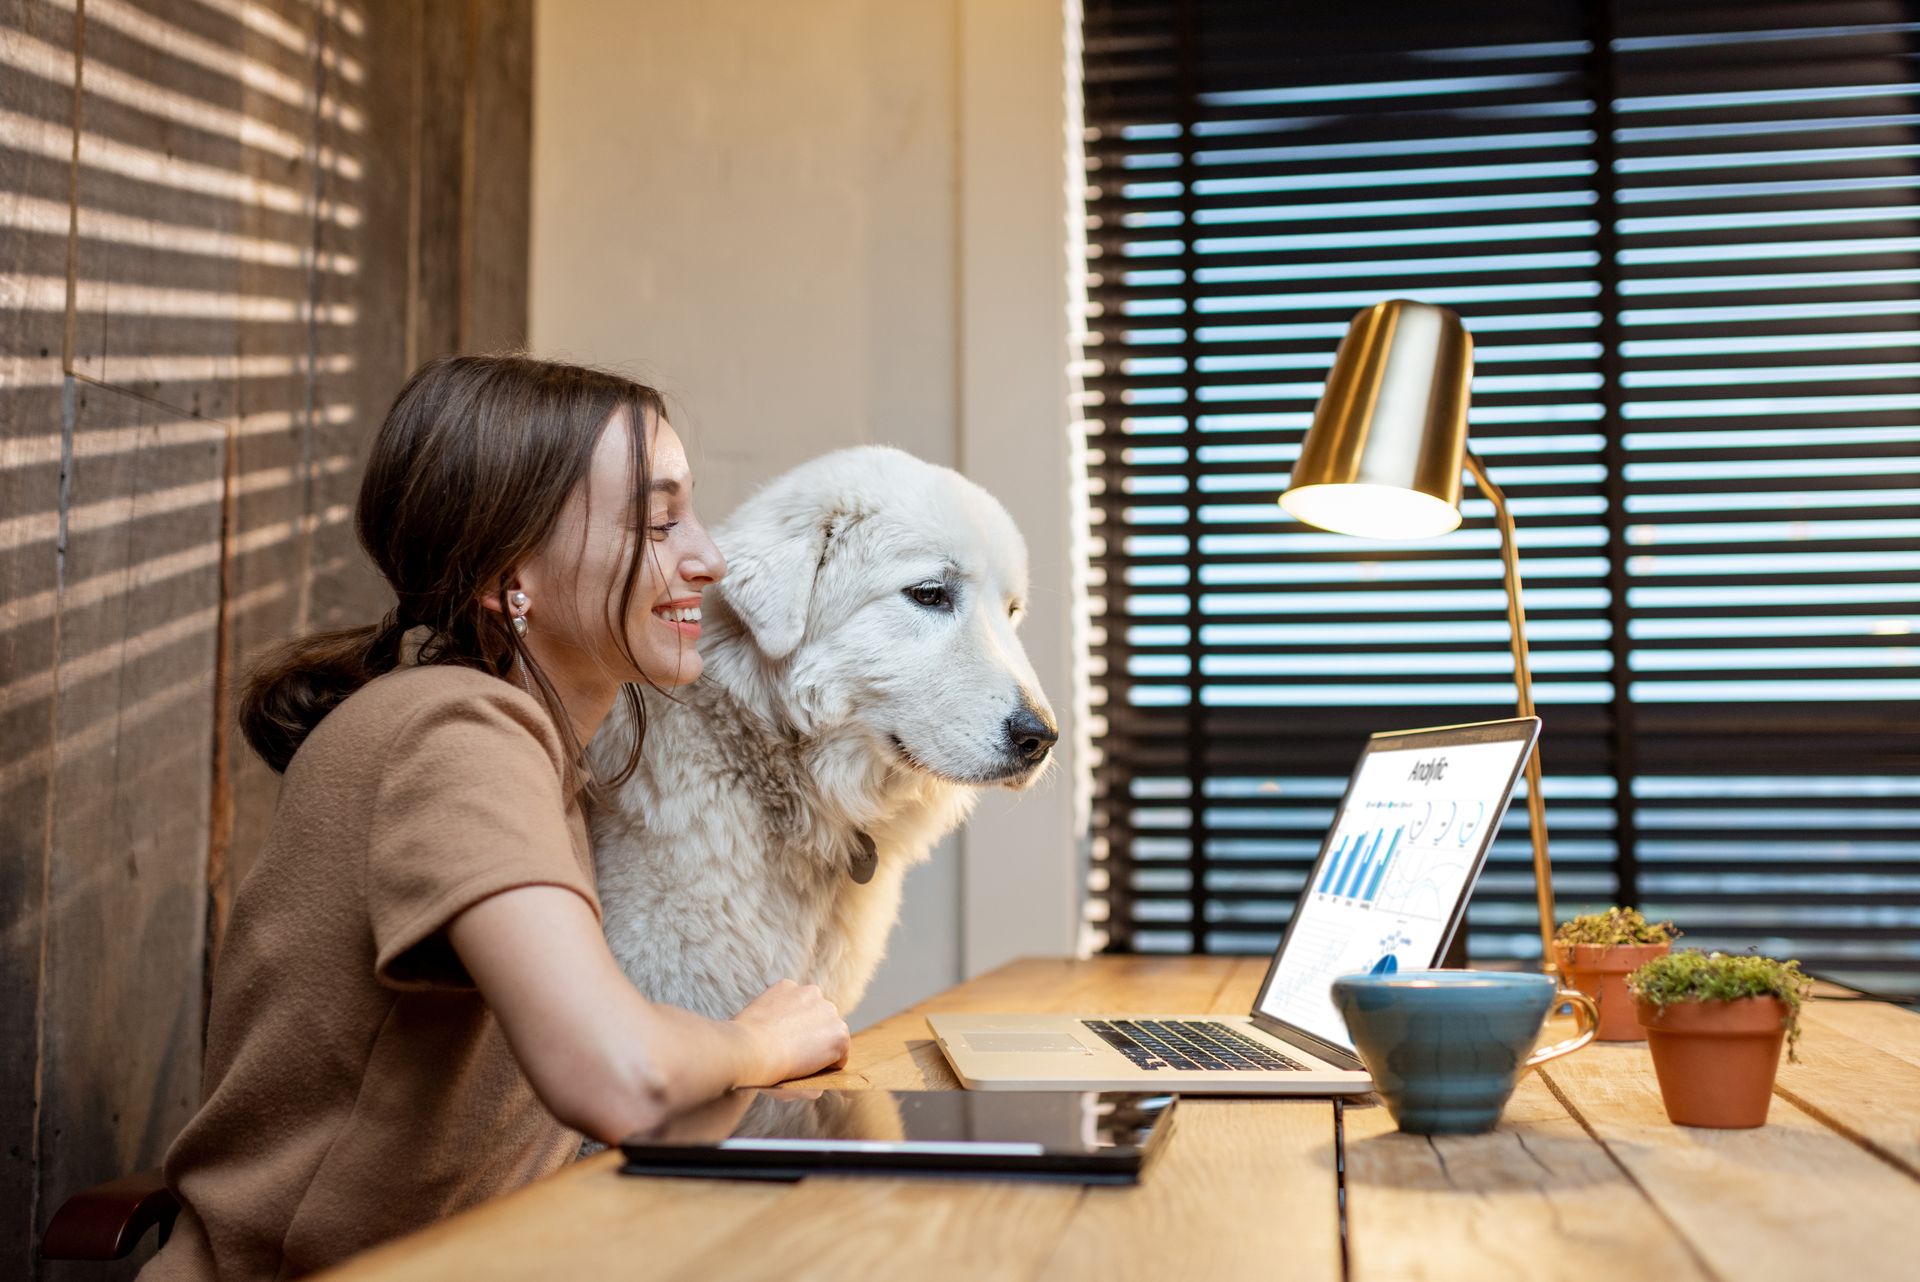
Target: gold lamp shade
1384, 456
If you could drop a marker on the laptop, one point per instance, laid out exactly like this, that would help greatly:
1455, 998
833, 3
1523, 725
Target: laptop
1387, 893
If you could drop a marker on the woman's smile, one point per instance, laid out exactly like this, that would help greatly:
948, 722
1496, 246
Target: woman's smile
683, 616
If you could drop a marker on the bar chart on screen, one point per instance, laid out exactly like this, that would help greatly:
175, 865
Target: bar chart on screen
1402, 857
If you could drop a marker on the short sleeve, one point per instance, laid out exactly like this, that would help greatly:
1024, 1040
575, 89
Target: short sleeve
470, 804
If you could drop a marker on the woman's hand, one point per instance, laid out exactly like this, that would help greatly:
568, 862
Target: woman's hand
602, 1058
796, 1031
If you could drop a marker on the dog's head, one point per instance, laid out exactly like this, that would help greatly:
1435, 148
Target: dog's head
880, 594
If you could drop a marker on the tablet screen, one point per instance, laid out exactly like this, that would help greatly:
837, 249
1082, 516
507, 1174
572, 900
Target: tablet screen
932, 1130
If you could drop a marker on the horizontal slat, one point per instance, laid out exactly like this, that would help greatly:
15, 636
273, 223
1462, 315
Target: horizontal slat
1765, 526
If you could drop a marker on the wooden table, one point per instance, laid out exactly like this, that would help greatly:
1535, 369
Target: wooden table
1584, 1179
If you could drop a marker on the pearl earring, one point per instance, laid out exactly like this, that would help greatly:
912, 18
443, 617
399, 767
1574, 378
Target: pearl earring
519, 602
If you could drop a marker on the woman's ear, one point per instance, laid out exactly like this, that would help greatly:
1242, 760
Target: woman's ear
517, 599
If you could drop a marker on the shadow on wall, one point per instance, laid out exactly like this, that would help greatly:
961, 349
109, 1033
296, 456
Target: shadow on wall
227, 230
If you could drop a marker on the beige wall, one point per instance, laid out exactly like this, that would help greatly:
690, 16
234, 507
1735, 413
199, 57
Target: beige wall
818, 223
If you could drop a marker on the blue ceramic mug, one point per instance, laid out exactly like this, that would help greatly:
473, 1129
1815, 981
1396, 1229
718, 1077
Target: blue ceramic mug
1446, 1047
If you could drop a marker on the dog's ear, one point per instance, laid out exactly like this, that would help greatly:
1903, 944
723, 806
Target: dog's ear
773, 561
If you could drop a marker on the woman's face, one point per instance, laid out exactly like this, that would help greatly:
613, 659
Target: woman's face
597, 532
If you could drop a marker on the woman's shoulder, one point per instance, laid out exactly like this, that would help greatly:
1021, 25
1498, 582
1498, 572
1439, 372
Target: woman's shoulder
436, 698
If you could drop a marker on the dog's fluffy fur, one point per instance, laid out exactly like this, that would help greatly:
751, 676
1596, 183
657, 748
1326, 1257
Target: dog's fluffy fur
835, 701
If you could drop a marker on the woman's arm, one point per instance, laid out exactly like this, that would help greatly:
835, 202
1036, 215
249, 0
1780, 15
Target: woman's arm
605, 1060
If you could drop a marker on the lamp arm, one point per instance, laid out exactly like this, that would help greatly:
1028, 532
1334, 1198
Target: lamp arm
1523, 690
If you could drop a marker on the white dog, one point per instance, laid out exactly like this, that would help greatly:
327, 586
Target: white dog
862, 682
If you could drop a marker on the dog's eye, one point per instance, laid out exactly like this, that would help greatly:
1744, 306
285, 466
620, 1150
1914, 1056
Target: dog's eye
931, 595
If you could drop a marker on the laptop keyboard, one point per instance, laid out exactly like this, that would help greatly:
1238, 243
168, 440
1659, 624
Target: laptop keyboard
1189, 1044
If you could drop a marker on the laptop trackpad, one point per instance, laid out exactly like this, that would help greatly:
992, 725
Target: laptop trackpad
1026, 1043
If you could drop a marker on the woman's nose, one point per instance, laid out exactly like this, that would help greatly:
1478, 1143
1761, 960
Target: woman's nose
705, 565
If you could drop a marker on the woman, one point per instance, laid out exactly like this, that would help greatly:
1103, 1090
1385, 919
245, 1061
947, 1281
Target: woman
413, 1007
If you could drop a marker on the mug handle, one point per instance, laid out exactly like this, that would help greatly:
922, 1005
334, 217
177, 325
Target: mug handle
1585, 1012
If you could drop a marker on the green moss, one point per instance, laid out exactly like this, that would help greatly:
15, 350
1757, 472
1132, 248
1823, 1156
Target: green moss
1615, 926
1694, 976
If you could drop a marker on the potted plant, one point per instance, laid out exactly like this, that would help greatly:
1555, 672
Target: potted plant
1714, 1024
1597, 950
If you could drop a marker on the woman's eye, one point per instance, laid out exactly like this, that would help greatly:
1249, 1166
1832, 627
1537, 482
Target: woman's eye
662, 531
931, 595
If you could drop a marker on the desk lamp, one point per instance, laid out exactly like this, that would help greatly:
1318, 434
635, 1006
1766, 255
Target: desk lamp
1383, 460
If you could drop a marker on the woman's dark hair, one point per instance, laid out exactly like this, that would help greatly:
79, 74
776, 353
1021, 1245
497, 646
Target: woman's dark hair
464, 482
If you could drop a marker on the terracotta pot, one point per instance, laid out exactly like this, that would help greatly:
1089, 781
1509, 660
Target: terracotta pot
1716, 1060
1600, 971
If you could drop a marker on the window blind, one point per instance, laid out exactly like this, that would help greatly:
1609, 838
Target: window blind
1683, 236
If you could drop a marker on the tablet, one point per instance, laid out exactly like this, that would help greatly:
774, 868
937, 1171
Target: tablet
1089, 1137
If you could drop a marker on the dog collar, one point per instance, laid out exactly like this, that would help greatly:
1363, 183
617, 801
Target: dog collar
864, 860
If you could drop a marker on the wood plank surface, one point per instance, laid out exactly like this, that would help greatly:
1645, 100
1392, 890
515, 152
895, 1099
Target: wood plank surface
120, 1068
272, 458
34, 177
1583, 1173
1865, 1092
442, 130
587, 1221
205, 308
498, 199
1536, 1199
1790, 1200
1265, 1166
1894, 1030
359, 368
834, 1228
829, 1228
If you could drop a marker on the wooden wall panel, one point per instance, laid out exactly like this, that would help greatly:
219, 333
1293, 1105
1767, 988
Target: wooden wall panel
274, 208
359, 367
272, 460
499, 200
443, 30
162, 194
34, 175
126, 940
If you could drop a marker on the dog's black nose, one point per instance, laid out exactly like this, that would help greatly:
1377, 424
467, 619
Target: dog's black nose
1031, 733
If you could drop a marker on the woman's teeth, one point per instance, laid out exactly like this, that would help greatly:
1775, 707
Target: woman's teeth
690, 614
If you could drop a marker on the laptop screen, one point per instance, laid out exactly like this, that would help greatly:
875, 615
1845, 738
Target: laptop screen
1405, 848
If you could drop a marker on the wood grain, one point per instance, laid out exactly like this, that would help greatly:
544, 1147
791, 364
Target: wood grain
499, 190
1536, 1199
272, 459
181, 439
162, 175
1267, 1166
1790, 1200
1256, 1178
1583, 1172
120, 1067
827, 1228
441, 175
33, 247
1894, 1030
587, 1221
1865, 1092
834, 1228
359, 368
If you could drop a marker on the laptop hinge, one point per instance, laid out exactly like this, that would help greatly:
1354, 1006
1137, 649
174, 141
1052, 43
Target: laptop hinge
1337, 1056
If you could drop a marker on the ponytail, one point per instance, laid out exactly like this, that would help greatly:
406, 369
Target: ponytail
295, 685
